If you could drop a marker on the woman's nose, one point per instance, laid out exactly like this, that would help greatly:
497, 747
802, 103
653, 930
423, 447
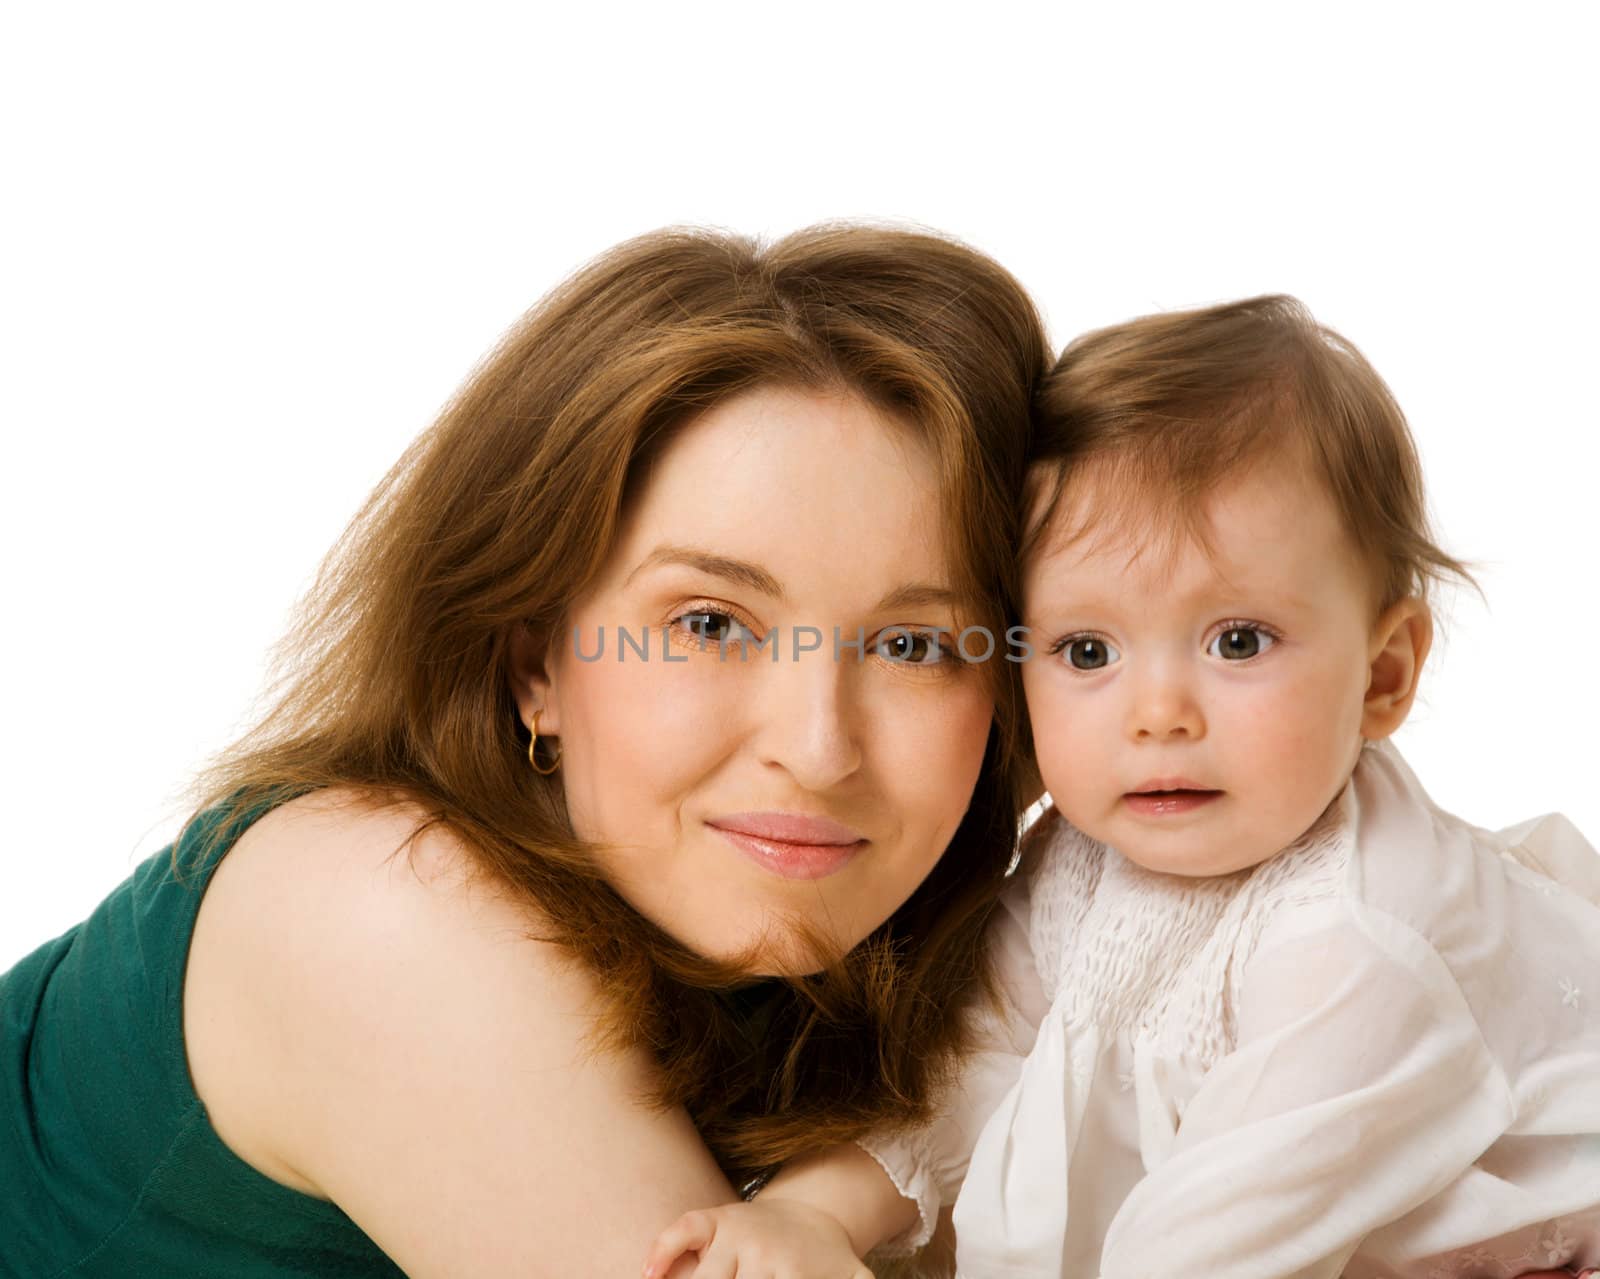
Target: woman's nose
809, 720
1164, 707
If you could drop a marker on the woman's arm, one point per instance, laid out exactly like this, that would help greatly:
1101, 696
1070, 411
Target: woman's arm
928, 1164
386, 1030
886, 1192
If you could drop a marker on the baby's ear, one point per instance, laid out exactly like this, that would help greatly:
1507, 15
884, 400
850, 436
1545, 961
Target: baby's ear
1398, 647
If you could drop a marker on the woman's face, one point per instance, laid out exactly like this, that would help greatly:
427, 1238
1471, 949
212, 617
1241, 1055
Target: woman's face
750, 771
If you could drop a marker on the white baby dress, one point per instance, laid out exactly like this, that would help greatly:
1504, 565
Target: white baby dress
1375, 1055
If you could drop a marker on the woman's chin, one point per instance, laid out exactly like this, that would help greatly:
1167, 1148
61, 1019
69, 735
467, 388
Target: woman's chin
785, 948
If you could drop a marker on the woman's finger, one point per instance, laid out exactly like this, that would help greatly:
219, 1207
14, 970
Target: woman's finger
692, 1232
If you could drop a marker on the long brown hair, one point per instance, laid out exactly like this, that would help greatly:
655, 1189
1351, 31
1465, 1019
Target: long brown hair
393, 679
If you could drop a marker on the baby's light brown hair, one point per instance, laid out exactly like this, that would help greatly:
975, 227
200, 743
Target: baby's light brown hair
1165, 407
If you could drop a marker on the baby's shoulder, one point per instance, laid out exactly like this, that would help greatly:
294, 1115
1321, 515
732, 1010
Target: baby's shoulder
1058, 871
1415, 859
1060, 865
1053, 842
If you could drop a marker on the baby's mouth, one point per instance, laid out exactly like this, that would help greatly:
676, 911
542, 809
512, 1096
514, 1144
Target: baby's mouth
1172, 784
1169, 801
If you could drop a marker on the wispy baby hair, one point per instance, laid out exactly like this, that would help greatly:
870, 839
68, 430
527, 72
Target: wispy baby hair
1163, 408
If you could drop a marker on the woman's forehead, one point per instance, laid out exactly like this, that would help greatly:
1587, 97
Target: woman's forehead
790, 492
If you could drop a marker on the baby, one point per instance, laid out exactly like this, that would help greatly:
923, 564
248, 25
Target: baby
1267, 1011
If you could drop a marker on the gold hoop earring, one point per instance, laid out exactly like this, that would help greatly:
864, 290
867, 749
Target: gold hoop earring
533, 743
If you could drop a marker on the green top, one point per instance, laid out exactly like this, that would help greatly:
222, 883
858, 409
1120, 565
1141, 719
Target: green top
108, 1162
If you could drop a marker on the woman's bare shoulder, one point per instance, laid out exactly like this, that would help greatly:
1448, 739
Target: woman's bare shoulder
344, 836
312, 902
374, 1022
334, 886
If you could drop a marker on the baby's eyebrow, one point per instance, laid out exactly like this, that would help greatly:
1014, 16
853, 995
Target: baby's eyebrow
1216, 595
1226, 594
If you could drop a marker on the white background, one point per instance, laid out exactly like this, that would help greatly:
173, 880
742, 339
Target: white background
248, 251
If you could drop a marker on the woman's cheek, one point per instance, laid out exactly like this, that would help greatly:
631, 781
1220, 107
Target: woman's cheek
639, 735
924, 740
969, 720
930, 747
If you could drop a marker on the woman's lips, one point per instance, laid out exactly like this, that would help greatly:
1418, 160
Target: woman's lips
789, 844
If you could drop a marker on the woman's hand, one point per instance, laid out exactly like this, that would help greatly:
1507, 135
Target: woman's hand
766, 1239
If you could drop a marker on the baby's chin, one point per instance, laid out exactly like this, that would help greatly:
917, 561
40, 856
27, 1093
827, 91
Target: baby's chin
1203, 864
1189, 837
1199, 837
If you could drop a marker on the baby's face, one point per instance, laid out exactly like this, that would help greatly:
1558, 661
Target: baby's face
1198, 712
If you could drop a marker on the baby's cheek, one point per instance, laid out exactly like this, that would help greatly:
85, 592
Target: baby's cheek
1077, 775
1297, 751
1074, 758
1060, 731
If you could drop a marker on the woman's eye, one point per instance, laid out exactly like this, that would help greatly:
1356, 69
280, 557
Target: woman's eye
1089, 653
1240, 643
712, 628
911, 648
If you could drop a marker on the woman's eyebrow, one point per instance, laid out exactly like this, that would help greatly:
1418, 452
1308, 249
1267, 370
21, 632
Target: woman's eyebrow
919, 595
741, 571
911, 595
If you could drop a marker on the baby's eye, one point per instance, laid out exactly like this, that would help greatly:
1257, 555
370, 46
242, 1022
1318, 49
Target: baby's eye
713, 628
1240, 643
1087, 652
911, 648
